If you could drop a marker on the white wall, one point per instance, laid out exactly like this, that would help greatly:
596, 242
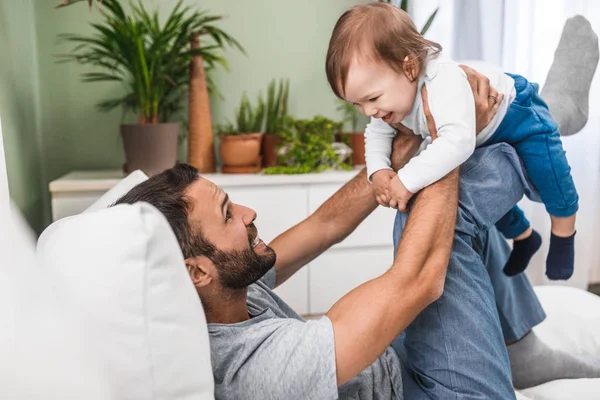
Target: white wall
4, 198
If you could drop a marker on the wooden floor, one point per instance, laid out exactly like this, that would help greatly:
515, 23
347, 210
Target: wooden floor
595, 288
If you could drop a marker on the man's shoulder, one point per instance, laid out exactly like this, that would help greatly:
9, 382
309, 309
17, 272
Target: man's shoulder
268, 279
262, 296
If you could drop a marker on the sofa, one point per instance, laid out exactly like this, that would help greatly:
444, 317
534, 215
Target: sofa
102, 307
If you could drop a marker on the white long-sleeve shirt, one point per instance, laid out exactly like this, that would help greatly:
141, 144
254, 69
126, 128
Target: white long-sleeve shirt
452, 106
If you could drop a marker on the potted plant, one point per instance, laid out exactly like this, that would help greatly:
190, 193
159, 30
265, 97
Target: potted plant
356, 138
277, 98
240, 143
152, 61
308, 146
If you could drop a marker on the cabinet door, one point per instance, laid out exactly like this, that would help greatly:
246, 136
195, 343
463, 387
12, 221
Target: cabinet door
278, 208
376, 229
73, 203
338, 271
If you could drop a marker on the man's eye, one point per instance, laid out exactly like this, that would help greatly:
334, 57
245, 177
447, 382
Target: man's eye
227, 216
372, 99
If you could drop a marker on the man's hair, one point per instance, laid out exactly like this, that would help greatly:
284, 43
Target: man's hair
166, 191
378, 32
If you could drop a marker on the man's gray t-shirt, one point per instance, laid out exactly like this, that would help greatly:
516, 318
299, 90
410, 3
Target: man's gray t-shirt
278, 355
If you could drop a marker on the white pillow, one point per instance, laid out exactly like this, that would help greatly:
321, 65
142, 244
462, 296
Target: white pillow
42, 352
118, 191
572, 325
573, 319
123, 273
565, 389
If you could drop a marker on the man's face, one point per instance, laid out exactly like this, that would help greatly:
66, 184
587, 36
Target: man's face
378, 91
241, 257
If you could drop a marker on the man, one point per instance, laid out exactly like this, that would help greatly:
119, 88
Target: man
261, 349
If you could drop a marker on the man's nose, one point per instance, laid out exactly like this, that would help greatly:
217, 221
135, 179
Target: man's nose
248, 215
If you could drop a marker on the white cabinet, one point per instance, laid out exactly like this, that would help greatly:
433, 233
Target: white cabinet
280, 202
376, 230
339, 270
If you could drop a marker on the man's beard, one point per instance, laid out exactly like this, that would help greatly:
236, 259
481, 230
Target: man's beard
238, 269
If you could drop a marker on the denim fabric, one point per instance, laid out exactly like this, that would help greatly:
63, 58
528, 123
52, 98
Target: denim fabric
513, 223
530, 129
455, 348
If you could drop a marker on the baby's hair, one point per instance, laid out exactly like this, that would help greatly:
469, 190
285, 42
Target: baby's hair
376, 32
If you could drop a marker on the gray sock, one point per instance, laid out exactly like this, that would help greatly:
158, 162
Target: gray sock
567, 86
532, 363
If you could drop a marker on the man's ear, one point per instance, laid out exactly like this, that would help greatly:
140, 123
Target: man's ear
202, 271
410, 66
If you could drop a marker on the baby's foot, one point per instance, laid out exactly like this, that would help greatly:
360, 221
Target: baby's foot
561, 257
521, 254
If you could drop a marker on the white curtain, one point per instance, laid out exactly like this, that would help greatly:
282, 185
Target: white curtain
521, 36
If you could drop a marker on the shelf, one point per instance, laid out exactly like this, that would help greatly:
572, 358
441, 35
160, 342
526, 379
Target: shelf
91, 181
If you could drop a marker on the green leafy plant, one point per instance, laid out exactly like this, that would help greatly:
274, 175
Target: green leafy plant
150, 59
248, 119
350, 115
69, 2
404, 6
308, 145
277, 100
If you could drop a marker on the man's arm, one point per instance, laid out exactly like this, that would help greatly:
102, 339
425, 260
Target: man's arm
370, 317
335, 219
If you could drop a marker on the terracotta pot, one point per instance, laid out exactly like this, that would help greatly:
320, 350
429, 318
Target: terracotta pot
270, 144
238, 151
150, 147
357, 144
357, 140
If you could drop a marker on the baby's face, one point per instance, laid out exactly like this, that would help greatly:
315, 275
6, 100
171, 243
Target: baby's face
378, 91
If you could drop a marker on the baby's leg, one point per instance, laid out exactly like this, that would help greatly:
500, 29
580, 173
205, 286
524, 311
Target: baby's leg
547, 165
530, 129
526, 242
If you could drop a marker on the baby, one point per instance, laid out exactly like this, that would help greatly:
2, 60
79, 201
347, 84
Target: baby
378, 61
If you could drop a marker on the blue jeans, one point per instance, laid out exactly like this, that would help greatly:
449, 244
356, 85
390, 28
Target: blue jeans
530, 129
455, 348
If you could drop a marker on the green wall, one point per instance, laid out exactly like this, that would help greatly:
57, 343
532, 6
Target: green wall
282, 38
19, 110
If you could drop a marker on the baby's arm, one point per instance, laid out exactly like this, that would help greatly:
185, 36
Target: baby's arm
452, 107
378, 146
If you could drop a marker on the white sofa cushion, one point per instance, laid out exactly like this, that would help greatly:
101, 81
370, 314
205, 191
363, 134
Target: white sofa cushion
43, 355
573, 325
123, 273
118, 191
573, 322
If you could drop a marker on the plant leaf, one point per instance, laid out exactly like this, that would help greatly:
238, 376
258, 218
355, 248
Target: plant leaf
429, 22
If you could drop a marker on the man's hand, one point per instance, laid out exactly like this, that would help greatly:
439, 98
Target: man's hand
381, 185
399, 194
487, 98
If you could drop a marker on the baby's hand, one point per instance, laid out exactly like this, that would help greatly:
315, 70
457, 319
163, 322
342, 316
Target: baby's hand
381, 182
399, 194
